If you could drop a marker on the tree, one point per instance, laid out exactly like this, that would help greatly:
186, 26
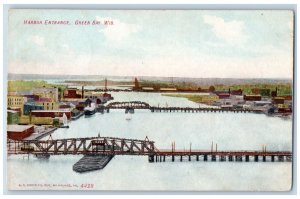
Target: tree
212, 89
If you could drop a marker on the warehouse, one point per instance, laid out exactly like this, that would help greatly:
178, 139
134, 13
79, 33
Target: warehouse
19, 132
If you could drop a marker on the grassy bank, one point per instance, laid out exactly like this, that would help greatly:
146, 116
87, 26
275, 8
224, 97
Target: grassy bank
27, 85
193, 98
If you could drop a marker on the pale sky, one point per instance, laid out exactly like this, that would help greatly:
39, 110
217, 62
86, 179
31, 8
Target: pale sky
224, 44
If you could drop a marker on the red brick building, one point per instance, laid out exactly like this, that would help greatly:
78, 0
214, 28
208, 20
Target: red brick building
71, 93
252, 97
51, 113
19, 132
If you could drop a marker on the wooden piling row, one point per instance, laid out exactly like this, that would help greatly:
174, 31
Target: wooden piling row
221, 158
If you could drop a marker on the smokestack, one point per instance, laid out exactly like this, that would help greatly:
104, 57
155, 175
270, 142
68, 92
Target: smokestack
82, 92
105, 89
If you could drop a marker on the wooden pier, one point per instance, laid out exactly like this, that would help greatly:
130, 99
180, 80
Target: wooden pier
237, 156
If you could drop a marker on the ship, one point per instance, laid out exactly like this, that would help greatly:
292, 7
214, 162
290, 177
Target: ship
90, 109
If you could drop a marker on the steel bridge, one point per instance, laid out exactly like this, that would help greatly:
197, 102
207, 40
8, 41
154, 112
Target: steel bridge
129, 104
89, 145
122, 146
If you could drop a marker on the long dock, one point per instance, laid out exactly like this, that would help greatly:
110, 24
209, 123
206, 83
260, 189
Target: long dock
37, 136
239, 156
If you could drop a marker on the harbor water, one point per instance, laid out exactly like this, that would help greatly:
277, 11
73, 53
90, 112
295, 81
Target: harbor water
230, 131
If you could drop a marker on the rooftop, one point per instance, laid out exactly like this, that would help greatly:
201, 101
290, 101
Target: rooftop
168, 89
52, 111
147, 88
44, 99
18, 128
12, 111
253, 95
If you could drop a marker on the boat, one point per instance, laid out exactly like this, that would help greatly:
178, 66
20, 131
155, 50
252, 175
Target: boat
65, 121
128, 116
90, 109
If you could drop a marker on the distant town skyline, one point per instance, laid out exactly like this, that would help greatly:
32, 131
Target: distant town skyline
208, 44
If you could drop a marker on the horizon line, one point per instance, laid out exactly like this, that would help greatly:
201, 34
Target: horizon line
289, 78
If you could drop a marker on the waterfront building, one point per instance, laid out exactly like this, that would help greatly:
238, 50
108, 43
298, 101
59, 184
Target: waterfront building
51, 113
41, 120
16, 101
29, 106
262, 103
97, 97
19, 132
236, 92
46, 93
48, 103
147, 89
252, 97
223, 95
13, 117
18, 109
72, 93
278, 100
167, 89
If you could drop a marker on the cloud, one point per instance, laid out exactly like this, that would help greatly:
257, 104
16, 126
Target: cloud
38, 40
119, 31
231, 32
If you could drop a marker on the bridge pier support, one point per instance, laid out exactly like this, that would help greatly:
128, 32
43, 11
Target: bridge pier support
230, 158
256, 158
264, 158
164, 159
181, 158
222, 158
239, 158
272, 158
205, 158
173, 158
213, 158
280, 158
151, 158
197, 158
189, 158
247, 158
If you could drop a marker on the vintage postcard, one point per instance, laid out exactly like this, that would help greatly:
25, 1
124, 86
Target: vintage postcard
150, 100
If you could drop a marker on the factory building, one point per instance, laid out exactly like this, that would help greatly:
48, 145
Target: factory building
19, 132
252, 97
51, 113
13, 117
16, 101
46, 93
72, 93
48, 103
30, 106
